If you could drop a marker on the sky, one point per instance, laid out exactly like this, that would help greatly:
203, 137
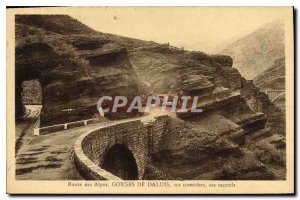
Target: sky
194, 28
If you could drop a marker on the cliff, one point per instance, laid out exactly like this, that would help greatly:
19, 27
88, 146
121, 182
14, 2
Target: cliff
74, 65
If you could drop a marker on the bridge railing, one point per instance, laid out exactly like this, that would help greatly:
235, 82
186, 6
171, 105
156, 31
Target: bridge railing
273, 94
60, 127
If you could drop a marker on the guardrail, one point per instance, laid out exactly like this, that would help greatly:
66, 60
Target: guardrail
59, 127
36, 126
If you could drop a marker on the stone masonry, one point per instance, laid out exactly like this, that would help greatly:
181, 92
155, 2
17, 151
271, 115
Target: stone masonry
141, 136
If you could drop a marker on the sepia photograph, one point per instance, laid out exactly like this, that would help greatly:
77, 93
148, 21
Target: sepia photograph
150, 100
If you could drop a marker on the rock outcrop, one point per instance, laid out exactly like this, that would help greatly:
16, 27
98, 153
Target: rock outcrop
74, 67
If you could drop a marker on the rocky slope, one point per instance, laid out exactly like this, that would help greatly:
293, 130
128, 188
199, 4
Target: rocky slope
240, 134
74, 65
257, 51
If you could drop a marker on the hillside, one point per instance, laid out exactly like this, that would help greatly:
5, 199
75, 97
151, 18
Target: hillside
255, 52
76, 65
273, 79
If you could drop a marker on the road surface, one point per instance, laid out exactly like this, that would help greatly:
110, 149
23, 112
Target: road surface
24, 126
50, 157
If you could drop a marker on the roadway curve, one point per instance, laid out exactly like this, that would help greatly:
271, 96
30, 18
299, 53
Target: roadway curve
50, 157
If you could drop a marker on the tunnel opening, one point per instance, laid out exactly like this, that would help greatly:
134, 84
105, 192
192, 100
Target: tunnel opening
31, 61
28, 97
120, 161
31, 92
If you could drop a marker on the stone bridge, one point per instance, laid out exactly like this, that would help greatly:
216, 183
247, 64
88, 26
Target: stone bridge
119, 151
274, 94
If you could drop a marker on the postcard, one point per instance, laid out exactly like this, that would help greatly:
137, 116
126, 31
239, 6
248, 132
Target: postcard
150, 100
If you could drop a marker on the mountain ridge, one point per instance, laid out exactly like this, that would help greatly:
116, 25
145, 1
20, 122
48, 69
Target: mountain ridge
256, 51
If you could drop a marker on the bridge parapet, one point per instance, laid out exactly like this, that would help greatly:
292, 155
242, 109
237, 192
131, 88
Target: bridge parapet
274, 94
141, 136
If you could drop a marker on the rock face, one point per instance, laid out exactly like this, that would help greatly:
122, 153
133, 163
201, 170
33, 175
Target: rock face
240, 134
230, 103
257, 51
73, 67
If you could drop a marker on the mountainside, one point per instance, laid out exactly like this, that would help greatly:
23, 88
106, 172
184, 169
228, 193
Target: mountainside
255, 52
76, 65
273, 79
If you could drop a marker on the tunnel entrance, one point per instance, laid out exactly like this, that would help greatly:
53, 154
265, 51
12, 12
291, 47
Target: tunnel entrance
120, 161
31, 61
31, 92
28, 97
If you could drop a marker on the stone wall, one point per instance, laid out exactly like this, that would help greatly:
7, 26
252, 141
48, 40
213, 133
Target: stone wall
142, 137
155, 131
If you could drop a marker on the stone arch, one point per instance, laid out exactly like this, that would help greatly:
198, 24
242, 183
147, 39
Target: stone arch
119, 160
